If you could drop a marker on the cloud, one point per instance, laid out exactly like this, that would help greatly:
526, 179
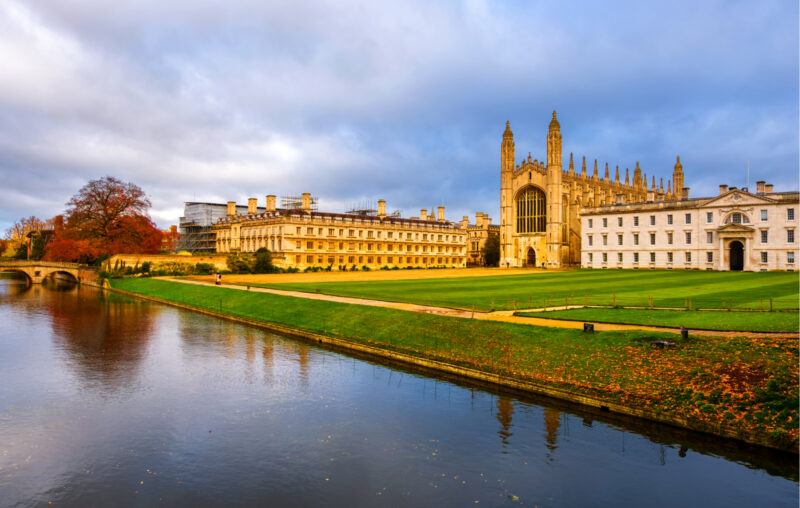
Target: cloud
355, 101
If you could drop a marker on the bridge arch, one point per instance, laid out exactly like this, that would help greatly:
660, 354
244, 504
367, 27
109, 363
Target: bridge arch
22, 271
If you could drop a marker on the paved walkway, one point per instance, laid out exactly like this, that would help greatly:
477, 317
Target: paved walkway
506, 316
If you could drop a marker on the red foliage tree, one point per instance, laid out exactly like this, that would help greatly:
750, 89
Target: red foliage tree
106, 217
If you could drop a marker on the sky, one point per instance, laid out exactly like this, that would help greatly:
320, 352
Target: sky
405, 101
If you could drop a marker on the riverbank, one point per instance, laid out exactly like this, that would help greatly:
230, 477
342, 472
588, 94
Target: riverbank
739, 388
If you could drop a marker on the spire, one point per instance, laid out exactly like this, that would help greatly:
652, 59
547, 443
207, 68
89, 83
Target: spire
669, 188
653, 187
627, 177
637, 177
677, 176
507, 133
507, 159
583, 168
571, 165
606, 177
594, 175
616, 176
661, 185
554, 144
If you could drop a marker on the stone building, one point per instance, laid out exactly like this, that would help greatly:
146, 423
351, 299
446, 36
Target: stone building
540, 202
298, 235
735, 230
477, 234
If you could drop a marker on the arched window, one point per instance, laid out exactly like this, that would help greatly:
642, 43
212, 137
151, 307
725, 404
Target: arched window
531, 211
737, 218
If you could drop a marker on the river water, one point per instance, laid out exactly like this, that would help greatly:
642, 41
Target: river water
107, 401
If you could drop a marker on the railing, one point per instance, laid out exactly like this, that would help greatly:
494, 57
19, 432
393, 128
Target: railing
45, 264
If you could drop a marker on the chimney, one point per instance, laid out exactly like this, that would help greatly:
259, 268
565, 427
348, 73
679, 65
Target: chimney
768, 188
381, 208
464, 222
252, 206
723, 188
270, 202
760, 186
423, 214
685, 193
307, 201
440, 213
231, 208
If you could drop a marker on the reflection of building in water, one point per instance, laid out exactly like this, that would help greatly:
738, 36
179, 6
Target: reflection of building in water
505, 410
302, 360
552, 420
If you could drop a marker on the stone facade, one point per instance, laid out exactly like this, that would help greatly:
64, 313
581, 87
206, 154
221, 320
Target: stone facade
303, 237
736, 230
540, 202
477, 234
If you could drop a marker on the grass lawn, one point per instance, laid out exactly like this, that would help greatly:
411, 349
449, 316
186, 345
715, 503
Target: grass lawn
702, 320
667, 288
748, 384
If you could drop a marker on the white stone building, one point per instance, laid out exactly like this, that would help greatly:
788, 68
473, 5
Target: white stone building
736, 230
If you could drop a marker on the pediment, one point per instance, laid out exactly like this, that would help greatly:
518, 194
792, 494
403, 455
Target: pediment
738, 198
735, 228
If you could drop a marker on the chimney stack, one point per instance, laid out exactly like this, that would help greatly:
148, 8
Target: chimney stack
685, 193
270, 202
381, 208
464, 222
440, 213
768, 188
423, 214
252, 206
231, 208
307, 201
760, 186
723, 188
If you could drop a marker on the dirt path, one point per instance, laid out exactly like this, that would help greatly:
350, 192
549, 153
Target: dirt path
506, 316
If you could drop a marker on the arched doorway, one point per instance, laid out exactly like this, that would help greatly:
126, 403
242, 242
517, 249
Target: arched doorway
531, 257
737, 256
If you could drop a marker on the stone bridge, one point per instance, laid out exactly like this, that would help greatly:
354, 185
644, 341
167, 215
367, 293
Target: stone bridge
38, 271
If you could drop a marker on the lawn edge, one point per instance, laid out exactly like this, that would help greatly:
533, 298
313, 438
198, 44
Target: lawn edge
473, 374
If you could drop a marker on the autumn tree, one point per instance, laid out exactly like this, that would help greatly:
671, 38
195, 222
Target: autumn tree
106, 217
16, 244
491, 251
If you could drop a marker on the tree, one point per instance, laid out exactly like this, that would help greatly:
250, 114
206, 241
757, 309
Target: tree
97, 210
263, 262
17, 236
491, 251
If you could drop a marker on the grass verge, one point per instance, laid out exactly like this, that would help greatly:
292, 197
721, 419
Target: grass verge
700, 320
736, 387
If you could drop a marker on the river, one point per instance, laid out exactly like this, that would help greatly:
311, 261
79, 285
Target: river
108, 401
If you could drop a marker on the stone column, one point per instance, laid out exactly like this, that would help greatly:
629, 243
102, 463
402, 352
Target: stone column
720, 264
746, 263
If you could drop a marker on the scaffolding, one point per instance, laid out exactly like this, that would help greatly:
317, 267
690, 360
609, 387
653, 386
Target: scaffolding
296, 202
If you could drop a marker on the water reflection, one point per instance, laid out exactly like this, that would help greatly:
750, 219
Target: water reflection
206, 410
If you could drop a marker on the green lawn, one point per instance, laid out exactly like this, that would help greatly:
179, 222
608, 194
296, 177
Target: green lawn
667, 288
701, 320
748, 384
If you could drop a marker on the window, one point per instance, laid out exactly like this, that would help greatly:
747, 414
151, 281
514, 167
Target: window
635, 220
652, 238
709, 257
589, 238
619, 257
590, 223
688, 238
605, 239
309, 245
688, 218
309, 231
531, 211
790, 236
764, 236
710, 237
605, 222
590, 257
736, 218
669, 219
709, 217
652, 257
790, 258
669, 257
635, 257
790, 213
619, 221
763, 257
764, 215
636, 238
652, 220
688, 257
605, 257
669, 238
619, 239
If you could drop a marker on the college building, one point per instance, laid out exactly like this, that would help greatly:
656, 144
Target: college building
736, 230
540, 202
301, 236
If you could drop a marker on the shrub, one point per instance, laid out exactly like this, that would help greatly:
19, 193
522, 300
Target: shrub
203, 269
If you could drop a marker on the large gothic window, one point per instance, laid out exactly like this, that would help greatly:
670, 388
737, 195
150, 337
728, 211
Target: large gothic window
531, 211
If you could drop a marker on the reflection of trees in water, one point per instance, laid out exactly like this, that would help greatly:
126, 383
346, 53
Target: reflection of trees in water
552, 420
505, 411
105, 336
